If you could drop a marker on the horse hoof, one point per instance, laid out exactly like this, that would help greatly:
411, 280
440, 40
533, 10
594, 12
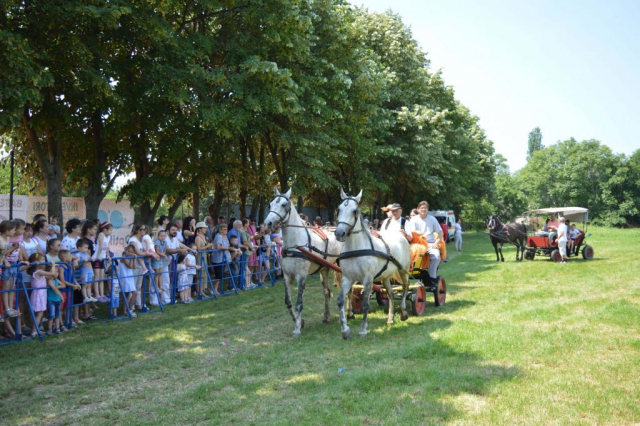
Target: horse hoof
301, 323
362, 334
346, 334
351, 316
503, 260
325, 321
296, 334
404, 316
390, 322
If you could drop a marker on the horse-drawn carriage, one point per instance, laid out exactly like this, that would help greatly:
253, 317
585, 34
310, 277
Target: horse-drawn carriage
546, 243
419, 290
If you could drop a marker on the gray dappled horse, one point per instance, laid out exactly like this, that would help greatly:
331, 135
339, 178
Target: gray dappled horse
513, 233
295, 265
365, 258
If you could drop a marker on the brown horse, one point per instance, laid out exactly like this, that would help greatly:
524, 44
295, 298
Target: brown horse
513, 233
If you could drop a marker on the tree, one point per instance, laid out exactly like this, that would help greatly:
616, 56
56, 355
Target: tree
535, 142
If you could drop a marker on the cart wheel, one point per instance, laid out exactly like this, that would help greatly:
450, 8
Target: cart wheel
440, 293
556, 256
418, 301
356, 301
382, 298
587, 252
530, 254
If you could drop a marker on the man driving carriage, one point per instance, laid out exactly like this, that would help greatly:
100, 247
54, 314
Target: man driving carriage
396, 222
427, 226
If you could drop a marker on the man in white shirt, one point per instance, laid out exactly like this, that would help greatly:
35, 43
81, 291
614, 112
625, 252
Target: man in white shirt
562, 240
398, 223
458, 235
428, 225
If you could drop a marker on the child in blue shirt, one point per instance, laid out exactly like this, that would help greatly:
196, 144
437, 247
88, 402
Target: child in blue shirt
85, 269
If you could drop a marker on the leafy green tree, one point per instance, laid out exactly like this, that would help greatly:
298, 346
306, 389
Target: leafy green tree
534, 143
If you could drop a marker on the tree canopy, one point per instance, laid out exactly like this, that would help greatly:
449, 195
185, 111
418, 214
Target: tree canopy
232, 97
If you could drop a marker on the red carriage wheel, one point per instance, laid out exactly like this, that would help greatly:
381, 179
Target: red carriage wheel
587, 252
440, 293
418, 301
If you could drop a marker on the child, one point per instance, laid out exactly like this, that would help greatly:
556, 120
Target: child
102, 252
192, 265
158, 263
7, 251
234, 264
184, 285
54, 300
40, 274
115, 298
54, 228
264, 253
66, 275
85, 270
126, 270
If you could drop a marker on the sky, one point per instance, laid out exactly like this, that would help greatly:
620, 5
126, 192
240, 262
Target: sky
568, 67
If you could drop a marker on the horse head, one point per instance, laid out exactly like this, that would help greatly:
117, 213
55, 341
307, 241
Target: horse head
348, 215
492, 222
279, 209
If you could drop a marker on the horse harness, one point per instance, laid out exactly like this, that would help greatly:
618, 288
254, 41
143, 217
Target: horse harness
368, 252
292, 251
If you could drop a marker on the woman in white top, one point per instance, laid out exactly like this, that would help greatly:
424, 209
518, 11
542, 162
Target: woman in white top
103, 238
135, 240
41, 235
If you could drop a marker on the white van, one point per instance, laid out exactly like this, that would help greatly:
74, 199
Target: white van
447, 217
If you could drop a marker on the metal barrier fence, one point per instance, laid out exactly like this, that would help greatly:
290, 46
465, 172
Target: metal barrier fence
159, 286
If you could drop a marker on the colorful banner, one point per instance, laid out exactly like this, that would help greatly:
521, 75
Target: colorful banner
119, 214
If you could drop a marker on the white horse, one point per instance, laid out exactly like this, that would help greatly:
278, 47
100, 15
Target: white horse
296, 265
365, 258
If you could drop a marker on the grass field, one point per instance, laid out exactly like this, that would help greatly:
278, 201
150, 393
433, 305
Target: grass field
529, 343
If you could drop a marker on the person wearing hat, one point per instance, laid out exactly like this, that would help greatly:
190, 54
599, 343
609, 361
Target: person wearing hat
397, 223
387, 210
428, 226
562, 239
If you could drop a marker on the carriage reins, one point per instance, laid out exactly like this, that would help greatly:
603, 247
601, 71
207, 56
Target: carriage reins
368, 252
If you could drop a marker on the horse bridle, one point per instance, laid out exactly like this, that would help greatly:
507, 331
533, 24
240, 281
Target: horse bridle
287, 210
351, 226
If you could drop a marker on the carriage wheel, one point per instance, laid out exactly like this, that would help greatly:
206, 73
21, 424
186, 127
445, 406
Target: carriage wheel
587, 252
530, 254
556, 256
356, 301
418, 301
440, 293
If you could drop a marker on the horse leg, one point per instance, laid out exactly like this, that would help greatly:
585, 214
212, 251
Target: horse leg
392, 311
287, 296
345, 289
368, 285
495, 247
501, 256
299, 321
349, 306
405, 291
324, 274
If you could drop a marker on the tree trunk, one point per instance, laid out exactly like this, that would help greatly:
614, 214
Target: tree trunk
95, 192
261, 212
216, 207
255, 207
50, 162
196, 204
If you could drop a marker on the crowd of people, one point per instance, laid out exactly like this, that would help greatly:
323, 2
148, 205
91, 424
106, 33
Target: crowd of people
71, 271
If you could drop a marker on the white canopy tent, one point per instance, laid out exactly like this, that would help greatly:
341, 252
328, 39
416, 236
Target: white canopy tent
574, 214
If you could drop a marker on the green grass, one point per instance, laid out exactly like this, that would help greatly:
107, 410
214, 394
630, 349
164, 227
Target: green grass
531, 342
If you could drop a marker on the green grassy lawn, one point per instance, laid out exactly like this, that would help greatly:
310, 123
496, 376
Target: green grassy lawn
530, 342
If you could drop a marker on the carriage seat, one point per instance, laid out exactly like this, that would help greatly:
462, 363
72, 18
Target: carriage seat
538, 241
